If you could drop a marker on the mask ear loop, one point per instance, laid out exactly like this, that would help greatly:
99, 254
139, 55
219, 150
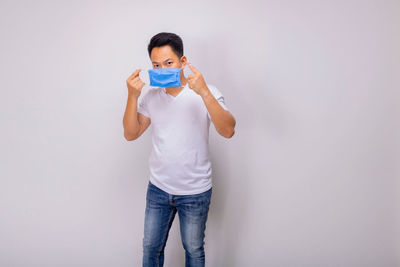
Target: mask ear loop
144, 76
183, 72
183, 68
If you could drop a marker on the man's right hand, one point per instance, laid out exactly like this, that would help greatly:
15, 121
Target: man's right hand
135, 84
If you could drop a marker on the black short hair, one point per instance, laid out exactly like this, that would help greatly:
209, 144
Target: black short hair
167, 38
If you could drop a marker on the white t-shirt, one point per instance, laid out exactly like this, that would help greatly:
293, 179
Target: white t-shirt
179, 160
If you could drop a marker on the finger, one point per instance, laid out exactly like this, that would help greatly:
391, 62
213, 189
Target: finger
191, 76
137, 78
138, 84
193, 68
134, 74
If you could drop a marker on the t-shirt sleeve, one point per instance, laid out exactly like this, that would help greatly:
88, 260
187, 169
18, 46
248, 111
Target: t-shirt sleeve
219, 97
143, 104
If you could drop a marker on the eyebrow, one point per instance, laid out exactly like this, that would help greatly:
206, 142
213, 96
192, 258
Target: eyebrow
164, 60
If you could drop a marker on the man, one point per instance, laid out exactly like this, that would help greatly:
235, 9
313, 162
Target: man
180, 168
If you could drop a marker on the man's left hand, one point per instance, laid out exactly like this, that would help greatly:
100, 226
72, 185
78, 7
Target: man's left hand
196, 82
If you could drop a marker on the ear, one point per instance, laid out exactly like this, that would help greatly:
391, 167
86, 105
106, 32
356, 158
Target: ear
183, 61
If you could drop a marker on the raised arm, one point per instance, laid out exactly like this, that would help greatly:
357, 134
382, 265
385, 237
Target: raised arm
134, 123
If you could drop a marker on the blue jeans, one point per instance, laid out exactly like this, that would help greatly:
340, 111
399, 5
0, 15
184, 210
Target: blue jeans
161, 208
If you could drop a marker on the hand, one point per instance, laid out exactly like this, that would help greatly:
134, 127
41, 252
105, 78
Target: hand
135, 84
196, 82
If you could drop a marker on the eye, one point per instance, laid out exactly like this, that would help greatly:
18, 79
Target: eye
170, 62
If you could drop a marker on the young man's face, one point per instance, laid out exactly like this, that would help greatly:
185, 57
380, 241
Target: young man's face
164, 57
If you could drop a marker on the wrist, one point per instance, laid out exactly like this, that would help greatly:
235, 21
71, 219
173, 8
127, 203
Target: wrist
206, 93
133, 96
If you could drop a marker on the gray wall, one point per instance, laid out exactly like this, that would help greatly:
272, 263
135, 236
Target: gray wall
311, 177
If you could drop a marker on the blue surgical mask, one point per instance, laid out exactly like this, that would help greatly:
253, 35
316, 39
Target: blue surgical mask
165, 77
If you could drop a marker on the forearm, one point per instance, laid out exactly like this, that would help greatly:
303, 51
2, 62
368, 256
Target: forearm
222, 119
130, 121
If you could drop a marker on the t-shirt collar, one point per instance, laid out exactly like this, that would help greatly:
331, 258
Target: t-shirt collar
165, 88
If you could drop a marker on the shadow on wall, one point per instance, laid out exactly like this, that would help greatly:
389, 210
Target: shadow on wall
247, 98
